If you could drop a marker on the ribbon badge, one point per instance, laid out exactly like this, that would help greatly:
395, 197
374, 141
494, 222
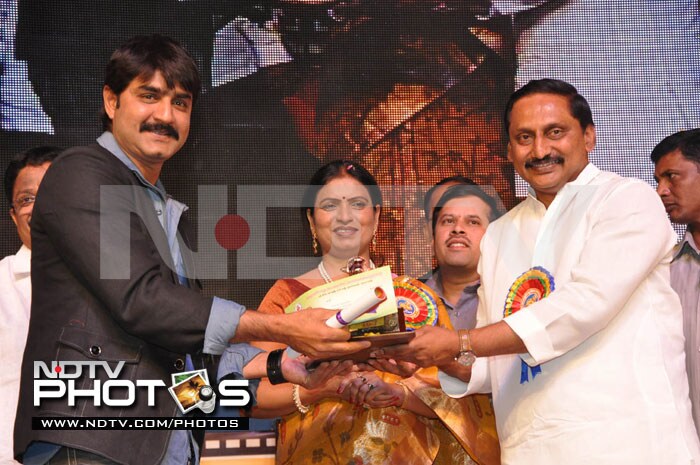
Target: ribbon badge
418, 306
530, 287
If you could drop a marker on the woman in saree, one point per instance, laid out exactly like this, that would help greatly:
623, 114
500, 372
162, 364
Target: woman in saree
366, 417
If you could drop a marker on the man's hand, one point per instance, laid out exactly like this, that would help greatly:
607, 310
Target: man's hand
432, 346
389, 365
307, 333
458, 371
295, 371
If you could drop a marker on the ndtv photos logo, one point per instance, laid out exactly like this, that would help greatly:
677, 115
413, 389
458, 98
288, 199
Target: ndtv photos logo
189, 390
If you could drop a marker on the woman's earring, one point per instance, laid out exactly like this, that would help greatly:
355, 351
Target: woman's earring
374, 241
314, 243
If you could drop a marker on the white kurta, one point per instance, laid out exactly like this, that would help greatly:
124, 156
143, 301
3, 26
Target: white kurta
613, 388
15, 303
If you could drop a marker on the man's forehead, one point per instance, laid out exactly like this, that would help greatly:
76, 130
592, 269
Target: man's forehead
33, 168
157, 81
28, 174
467, 203
542, 111
541, 100
675, 160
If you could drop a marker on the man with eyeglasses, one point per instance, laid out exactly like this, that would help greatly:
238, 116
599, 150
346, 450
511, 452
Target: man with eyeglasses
22, 179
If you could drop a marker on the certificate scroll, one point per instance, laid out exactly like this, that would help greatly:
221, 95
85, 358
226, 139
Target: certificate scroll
352, 295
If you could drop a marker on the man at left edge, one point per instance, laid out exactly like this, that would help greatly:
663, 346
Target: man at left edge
154, 316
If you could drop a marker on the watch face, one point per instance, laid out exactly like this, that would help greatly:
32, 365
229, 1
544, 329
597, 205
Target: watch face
466, 359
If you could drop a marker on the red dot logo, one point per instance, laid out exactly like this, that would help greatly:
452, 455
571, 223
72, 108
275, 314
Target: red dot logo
57, 369
232, 232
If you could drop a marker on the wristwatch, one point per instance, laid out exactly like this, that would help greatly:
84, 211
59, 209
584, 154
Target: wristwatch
466, 356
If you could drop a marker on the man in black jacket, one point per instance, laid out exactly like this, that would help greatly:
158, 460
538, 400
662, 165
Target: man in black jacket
113, 291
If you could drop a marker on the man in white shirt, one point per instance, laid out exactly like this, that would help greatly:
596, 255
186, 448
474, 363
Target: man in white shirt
677, 161
21, 182
579, 333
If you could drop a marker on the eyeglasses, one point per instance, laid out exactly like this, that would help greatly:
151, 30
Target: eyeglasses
23, 202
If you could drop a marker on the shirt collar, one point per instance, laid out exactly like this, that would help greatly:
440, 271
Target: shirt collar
586, 176
435, 283
107, 141
22, 264
687, 245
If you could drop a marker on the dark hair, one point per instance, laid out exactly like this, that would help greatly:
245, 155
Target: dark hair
458, 178
35, 156
577, 104
687, 142
463, 190
336, 169
143, 55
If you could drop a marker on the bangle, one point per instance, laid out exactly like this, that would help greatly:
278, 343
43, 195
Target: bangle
274, 367
297, 400
405, 394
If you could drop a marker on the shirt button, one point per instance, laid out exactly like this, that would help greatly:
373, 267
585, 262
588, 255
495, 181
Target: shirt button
159, 212
95, 350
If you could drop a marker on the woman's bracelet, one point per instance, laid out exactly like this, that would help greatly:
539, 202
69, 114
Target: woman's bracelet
297, 400
274, 367
405, 394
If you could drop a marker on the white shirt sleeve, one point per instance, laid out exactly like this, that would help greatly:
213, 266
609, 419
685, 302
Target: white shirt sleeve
480, 382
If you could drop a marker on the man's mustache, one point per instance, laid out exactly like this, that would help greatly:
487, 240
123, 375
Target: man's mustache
462, 238
160, 128
537, 162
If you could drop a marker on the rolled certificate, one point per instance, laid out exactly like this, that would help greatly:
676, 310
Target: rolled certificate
346, 315
357, 308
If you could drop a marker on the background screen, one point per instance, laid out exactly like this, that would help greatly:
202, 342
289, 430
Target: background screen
411, 89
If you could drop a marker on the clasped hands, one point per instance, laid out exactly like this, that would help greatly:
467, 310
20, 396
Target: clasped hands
307, 333
348, 381
366, 388
432, 346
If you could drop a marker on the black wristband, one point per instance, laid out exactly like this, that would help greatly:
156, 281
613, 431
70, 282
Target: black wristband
274, 367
